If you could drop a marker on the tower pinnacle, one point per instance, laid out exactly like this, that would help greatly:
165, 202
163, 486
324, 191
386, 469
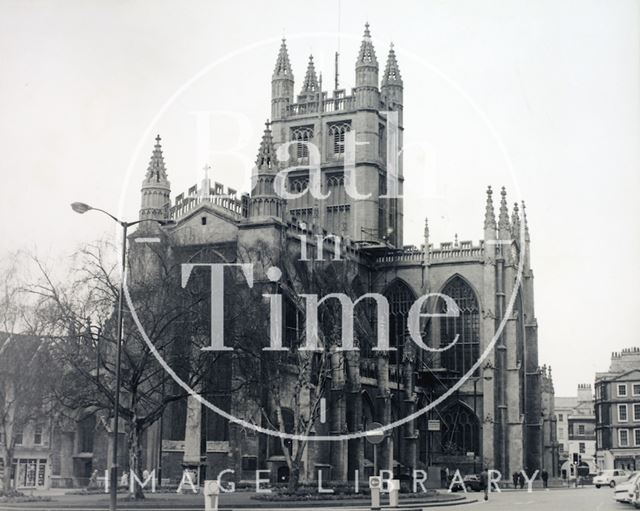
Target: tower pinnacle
264, 201
391, 73
310, 84
367, 54
515, 222
283, 66
266, 159
281, 84
526, 222
156, 189
489, 213
156, 170
503, 219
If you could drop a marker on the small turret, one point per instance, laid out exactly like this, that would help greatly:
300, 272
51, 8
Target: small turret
366, 89
504, 226
156, 189
264, 201
392, 88
515, 222
489, 217
281, 84
426, 248
310, 86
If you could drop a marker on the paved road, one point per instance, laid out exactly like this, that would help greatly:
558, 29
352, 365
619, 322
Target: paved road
581, 499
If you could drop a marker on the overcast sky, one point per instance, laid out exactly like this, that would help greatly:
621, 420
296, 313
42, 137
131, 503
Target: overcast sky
549, 86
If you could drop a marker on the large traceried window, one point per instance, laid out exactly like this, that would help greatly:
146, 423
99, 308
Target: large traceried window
460, 431
338, 208
466, 325
400, 299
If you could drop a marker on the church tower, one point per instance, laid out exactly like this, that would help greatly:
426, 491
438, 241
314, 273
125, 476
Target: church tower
156, 189
349, 133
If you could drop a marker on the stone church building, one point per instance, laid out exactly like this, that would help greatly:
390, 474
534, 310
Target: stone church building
495, 418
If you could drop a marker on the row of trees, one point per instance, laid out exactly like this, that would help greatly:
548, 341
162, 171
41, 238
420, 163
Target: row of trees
62, 363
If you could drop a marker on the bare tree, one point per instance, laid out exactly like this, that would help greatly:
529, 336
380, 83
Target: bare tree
27, 371
81, 316
290, 385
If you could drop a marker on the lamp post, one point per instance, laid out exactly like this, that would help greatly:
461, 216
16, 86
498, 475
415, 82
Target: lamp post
81, 208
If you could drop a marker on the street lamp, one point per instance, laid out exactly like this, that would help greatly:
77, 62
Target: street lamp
81, 208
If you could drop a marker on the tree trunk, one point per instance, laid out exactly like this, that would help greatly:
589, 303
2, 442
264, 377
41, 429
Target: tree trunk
294, 476
7, 456
135, 455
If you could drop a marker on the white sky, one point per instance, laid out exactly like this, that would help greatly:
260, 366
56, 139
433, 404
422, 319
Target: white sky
557, 81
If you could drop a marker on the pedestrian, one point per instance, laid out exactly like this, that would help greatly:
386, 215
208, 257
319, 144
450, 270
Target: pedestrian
515, 480
521, 479
545, 478
484, 482
93, 480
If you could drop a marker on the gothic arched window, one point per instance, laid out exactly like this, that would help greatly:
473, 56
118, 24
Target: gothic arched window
337, 134
460, 431
300, 135
400, 299
461, 357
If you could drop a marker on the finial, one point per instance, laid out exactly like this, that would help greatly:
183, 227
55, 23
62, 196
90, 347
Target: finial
283, 66
367, 54
156, 171
310, 80
489, 213
515, 222
503, 219
455, 240
266, 160
526, 222
392, 70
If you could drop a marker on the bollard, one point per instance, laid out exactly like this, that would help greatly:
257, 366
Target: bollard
375, 484
394, 492
211, 495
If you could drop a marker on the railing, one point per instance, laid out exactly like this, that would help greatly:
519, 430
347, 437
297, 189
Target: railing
184, 205
402, 257
462, 250
326, 105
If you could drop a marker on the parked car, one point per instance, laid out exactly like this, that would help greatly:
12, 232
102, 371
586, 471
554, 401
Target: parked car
635, 494
471, 482
610, 477
623, 492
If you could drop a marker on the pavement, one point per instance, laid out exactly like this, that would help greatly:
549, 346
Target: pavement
240, 500
561, 499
